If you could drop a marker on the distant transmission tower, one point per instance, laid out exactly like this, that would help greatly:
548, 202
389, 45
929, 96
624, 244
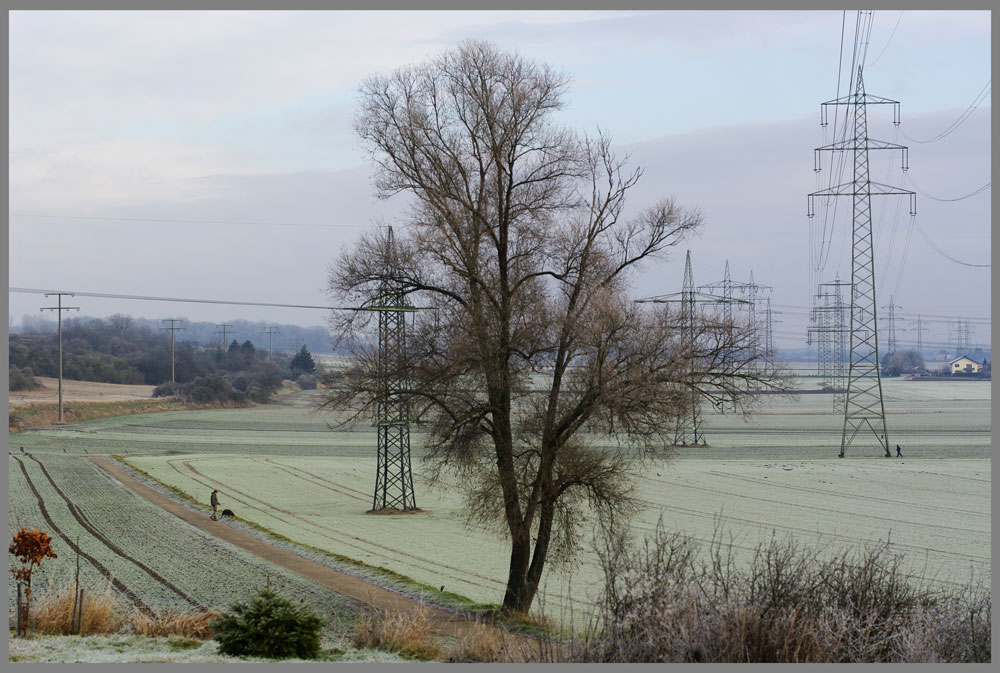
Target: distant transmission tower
688, 430
726, 286
831, 335
892, 346
864, 406
753, 325
920, 329
393, 480
963, 332
754, 293
769, 322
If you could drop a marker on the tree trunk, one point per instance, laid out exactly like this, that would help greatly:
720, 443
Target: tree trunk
519, 594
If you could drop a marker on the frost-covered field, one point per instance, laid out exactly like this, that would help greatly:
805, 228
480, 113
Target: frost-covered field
936, 513
152, 560
283, 467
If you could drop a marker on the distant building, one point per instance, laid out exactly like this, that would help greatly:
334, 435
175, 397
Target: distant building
964, 365
943, 356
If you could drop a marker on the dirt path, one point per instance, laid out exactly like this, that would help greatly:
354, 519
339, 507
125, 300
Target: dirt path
342, 583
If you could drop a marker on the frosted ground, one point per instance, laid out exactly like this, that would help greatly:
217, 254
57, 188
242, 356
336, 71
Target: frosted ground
281, 466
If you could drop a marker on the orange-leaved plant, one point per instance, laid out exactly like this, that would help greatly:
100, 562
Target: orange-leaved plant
30, 548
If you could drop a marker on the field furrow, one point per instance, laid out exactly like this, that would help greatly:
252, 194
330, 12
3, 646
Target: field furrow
99, 566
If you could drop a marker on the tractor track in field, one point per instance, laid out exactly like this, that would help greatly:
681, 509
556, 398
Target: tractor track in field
342, 538
849, 496
654, 504
364, 592
100, 567
90, 528
333, 486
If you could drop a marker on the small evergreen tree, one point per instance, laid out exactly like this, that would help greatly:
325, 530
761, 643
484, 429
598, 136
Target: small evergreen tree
269, 626
303, 362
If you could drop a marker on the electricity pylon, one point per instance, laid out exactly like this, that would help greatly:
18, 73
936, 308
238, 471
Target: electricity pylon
920, 329
864, 407
688, 430
393, 479
831, 332
893, 345
751, 290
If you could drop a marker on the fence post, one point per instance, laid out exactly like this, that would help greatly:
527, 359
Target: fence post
76, 590
19, 609
79, 622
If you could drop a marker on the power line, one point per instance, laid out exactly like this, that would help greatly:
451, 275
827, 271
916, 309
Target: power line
184, 221
898, 19
980, 97
942, 252
182, 300
960, 198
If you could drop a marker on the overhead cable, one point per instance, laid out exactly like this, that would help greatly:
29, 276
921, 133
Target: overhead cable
960, 198
980, 97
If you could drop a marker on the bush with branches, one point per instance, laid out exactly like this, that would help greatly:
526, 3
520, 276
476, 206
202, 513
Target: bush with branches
21, 379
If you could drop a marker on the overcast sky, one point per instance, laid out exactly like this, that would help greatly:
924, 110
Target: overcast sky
210, 155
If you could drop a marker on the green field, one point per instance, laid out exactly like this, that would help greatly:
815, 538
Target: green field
285, 469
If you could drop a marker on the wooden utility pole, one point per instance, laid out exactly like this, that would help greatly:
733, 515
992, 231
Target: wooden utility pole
172, 330
224, 344
59, 309
270, 331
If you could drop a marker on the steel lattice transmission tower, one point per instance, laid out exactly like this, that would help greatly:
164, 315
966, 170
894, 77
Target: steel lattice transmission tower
753, 293
394, 479
920, 329
726, 285
688, 430
864, 408
893, 345
831, 337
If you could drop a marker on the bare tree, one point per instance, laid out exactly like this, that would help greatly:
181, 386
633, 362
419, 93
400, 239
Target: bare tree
517, 237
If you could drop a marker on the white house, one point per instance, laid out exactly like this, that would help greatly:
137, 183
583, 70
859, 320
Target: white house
964, 365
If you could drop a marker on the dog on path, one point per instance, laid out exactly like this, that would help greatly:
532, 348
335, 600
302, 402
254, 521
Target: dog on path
227, 514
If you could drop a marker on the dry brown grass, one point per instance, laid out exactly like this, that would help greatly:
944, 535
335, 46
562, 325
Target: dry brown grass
485, 643
406, 634
104, 613
170, 623
53, 613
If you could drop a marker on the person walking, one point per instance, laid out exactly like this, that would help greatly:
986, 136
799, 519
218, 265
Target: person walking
215, 505
899, 453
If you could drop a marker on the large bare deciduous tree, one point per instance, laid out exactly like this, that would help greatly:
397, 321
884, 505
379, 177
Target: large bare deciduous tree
518, 237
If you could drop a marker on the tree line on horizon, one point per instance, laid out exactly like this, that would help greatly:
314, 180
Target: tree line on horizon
123, 350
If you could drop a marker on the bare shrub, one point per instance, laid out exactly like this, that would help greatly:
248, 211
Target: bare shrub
664, 603
21, 379
406, 634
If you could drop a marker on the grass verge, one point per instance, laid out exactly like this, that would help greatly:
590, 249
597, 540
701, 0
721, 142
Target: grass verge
35, 415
